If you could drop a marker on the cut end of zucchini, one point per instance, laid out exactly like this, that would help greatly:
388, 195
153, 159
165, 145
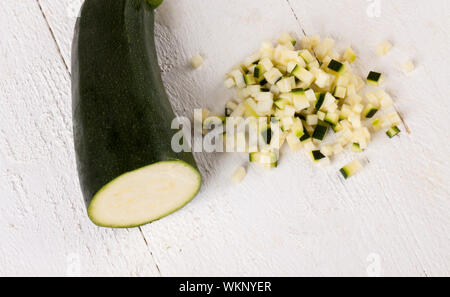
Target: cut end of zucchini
145, 195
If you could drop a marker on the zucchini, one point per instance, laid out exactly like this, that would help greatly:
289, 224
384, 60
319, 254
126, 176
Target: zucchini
394, 131
370, 111
317, 155
320, 100
320, 131
129, 173
374, 78
335, 66
356, 148
351, 169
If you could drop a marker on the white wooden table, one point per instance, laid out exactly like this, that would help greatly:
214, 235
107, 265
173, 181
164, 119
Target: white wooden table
298, 220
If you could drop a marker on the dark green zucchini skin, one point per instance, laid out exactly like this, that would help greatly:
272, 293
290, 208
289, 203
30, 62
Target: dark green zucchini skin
121, 113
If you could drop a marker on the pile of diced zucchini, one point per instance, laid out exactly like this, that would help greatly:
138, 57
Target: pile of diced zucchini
321, 104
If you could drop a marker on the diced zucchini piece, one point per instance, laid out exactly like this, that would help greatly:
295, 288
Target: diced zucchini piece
293, 142
230, 106
356, 148
303, 75
300, 116
305, 136
394, 131
340, 92
267, 135
408, 67
337, 128
321, 115
197, 61
351, 169
328, 101
284, 85
239, 175
317, 155
312, 119
266, 63
307, 56
336, 66
320, 101
297, 128
291, 66
332, 118
249, 79
281, 103
263, 96
394, 119
358, 108
349, 55
323, 79
324, 48
289, 111
265, 158
313, 65
320, 132
287, 39
377, 124
300, 100
383, 48
327, 150
238, 78
252, 60
258, 72
374, 78
370, 111
229, 83
273, 76
250, 108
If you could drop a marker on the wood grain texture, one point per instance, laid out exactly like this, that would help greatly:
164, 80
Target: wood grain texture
43, 226
296, 220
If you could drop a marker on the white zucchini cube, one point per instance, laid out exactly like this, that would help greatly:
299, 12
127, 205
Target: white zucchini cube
273, 75
304, 75
307, 56
252, 59
301, 103
323, 80
349, 55
383, 48
312, 120
284, 85
266, 63
293, 142
263, 96
340, 92
408, 67
229, 83
197, 61
238, 78
239, 175
310, 95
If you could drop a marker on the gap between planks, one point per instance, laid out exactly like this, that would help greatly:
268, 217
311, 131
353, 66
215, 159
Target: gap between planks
68, 72
53, 37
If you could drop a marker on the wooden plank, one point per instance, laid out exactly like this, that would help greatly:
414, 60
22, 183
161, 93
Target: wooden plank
44, 229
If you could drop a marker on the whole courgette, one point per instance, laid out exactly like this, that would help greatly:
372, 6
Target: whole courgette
122, 117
